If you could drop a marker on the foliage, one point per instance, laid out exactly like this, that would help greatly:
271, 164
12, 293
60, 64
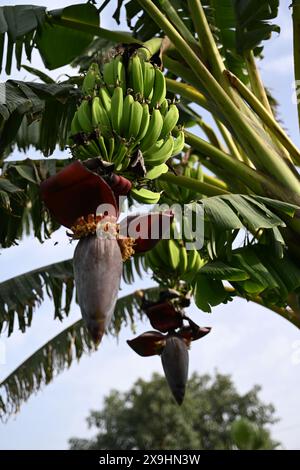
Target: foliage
145, 416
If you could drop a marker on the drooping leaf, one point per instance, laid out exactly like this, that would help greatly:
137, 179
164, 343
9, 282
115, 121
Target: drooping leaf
58, 354
20, 295
252, 22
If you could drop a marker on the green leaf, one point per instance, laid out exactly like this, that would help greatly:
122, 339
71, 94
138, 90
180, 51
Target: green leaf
222, 271
59, 45
209, 293
253, 26
21, 294
221, 214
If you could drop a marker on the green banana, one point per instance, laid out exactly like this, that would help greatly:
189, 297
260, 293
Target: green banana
145, 196
144, 122
170, 121
128, 101
153, 260
164, 107
105, 99
183, 260
108, 75
100, 117
117, 109
154, 130
103, 148
75, 126
159, 89
90, 79
149, 77
111, 149
85, 116
119, 73
162, 154
156, 171
81, 152
120, 156
178, 143
174, 254
163, 252
136, 75
136, 114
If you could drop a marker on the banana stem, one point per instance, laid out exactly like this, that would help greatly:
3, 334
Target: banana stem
286, 313
251, 141
177, 21
182, 71
188, 92
249, 176
114, 36
264, 115
229, 141
205, 38
256, 83
190, 183
214, 181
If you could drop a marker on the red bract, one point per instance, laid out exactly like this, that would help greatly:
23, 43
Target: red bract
76, 191
147, 229
148, 344
120, 185
192, 333
163, 316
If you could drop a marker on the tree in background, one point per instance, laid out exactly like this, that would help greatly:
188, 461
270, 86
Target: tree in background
145, 418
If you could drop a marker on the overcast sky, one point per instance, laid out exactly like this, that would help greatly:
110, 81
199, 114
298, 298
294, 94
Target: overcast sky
249, 342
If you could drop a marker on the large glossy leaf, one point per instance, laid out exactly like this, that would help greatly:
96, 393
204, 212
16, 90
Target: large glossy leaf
59, 45
58, 354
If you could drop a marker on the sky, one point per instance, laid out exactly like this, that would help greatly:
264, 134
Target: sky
249, 342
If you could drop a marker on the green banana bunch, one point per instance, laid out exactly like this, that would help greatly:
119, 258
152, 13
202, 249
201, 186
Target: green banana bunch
171, 256
116, 118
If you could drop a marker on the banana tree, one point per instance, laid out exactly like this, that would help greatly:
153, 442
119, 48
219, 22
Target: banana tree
129, 122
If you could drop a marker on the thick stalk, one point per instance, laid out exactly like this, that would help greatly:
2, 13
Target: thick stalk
264, 115
206, 40
229, 141
188, 92
193, 184
177, 21
238, 169
253, 144
182, 71
256, 81
214, 181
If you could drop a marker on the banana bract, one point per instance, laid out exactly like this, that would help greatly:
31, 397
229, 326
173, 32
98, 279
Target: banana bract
74, 196
97, 272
